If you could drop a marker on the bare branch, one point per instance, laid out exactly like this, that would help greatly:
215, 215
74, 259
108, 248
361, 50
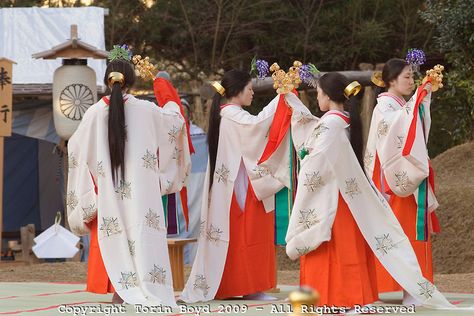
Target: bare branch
219, 5
190, 30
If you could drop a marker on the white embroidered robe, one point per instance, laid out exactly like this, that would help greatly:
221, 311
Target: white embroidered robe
388, 135
131, 223
242, 139
330, 168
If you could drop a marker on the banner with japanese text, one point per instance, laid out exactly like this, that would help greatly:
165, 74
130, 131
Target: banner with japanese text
6, 95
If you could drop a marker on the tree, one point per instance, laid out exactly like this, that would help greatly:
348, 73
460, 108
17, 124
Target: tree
454, 107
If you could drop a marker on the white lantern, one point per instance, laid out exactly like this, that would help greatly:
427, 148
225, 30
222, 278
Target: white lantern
74, 91
74, 83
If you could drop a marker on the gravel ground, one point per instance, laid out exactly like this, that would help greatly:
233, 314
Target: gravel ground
76, 272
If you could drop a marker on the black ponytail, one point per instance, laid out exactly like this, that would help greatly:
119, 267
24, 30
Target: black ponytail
355, 129
378, 90
213, 133
234, 82
333, 84
117, 134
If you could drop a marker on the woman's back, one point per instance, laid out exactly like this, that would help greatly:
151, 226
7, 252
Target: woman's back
129, 209
147, 127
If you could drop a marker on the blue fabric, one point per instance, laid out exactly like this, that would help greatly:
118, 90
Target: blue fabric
199, 166
199, 159
35, 123
20, 192
22, 121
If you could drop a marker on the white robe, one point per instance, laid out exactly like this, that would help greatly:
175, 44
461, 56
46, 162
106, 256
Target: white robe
330, 168
242, 138
131, 223
388, 133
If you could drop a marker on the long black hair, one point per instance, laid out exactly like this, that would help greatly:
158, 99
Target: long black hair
234, 82
116, 123
333, 84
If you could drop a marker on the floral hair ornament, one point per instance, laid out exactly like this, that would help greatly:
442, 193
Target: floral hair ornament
285, 82
259, 67
415, 57
308, 74
218, 87
143, 67
120, 52
114, 77
352, 88
435, 76
377, 80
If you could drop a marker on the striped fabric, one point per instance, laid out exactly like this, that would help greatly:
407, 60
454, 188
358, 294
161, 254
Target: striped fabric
35, 123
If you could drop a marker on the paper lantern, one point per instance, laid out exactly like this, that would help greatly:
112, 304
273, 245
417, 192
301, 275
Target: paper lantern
74, 91
74, 83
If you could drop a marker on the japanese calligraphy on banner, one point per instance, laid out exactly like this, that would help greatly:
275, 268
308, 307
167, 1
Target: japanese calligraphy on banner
6, 95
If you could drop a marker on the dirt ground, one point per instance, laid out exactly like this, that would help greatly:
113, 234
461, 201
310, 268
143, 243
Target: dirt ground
76, 272
453, 247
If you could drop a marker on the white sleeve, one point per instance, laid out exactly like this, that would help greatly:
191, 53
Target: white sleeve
173, 151
81, 197
394, 129
315, 205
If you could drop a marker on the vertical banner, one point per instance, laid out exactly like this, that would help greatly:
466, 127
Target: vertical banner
6, 95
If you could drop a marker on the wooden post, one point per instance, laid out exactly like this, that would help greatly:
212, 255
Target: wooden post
65, 163
199, 115
73, 31
1, 194
6, 99
266, 84
27, 235
176, 254
368, 102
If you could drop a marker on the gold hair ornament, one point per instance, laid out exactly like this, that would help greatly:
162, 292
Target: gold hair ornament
377, 79
285, 82
435, 76
143, 67
218, 87
116, 76
352, 88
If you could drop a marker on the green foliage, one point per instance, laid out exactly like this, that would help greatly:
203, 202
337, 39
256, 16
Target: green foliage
199, 39
119, 52
205, 37
453, 108
454, 30
452, 114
